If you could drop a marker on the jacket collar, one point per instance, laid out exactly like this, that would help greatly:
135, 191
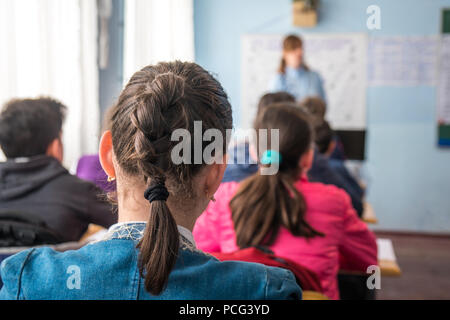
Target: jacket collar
21, 176
134, 230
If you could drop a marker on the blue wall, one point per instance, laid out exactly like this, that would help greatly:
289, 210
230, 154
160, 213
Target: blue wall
111, 78
409, 176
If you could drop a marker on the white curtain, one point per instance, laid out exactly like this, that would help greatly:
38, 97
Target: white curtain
49, 48
157, 30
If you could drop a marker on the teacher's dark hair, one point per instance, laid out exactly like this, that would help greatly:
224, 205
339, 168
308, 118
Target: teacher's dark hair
156, 101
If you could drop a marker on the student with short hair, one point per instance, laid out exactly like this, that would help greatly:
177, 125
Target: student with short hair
151, 253
328, 166
312, 224
33, 181
317, 107
274, 97
332, 171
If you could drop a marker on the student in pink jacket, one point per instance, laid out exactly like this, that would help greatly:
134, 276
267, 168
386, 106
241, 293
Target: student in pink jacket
311, 223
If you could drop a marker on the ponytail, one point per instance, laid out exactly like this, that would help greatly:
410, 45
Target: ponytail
282, 67
263, 204
160, 243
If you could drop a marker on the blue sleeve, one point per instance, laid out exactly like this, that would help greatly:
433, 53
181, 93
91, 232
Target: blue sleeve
320, 88
281, 285
338, 152
10, 273
277, 83
350, 185
340, 168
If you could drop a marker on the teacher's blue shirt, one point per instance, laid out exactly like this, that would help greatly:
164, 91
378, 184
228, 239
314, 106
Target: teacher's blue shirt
301, 83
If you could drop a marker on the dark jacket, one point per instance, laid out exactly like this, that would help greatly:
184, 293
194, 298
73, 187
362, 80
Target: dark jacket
322, 171
42, 187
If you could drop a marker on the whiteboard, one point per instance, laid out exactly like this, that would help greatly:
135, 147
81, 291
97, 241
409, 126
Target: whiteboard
341, 60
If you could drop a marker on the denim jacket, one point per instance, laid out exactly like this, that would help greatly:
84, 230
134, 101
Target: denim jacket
108, 269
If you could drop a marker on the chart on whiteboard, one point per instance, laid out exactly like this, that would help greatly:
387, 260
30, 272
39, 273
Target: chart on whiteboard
339, 58
402, 61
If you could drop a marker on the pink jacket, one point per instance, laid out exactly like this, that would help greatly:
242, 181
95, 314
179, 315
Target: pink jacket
348, 243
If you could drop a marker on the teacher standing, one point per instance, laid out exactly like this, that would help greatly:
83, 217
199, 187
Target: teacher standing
293, 74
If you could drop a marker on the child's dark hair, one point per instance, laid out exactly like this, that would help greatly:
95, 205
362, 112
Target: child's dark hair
28, 126
274, 97
316, 107
158, 100
324, 136
264, 203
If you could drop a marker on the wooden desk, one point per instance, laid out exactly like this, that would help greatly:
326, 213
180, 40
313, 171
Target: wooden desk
389, 268
92, 229
368, 215
387, 259
313, 295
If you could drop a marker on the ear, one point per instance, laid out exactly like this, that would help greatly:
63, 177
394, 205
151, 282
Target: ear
55, 149
306, 160
106, 154
214, 176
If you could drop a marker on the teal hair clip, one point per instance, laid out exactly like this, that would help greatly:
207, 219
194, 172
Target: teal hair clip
271, 156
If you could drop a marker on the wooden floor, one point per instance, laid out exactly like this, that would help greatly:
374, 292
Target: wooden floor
425, 265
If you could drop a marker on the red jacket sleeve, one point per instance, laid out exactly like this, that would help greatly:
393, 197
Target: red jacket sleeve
358, 247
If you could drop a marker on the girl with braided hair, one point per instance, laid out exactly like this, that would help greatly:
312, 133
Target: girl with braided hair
151, 253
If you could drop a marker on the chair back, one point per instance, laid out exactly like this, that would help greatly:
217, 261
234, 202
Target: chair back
307, 279
20, 229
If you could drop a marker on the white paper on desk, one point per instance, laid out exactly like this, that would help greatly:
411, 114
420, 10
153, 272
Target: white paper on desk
385, 250
97, 236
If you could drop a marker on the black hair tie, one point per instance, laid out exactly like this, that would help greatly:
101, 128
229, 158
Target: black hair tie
156, 192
